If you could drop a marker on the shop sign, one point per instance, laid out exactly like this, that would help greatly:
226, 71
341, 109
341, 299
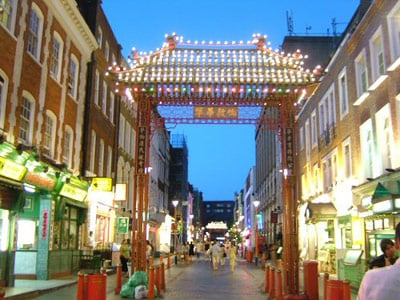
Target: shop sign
44, 224
122, 225
289, 148
274, 217
383, 206
141, 157
120, 192
102, 184
11, 169
40, 180
397, 203
72, 192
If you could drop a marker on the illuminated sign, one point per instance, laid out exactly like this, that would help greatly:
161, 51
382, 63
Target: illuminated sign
216, 112
70, 191
383, 206
40, 180
103, 184
45, 224
289, 149
120, 192
11, 169
122, 225
141, 155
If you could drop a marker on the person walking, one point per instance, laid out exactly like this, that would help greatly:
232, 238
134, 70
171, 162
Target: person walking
125, 253
382, 283
222, 254
387, 258
232, 256
215, 254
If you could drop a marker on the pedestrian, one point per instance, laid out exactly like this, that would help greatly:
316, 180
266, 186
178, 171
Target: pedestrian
191, 249
387, 258
215, 254
232, 256
90, 244
124, 255
382, 283
222, 254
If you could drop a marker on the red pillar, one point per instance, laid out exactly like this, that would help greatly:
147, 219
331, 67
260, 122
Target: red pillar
80, 295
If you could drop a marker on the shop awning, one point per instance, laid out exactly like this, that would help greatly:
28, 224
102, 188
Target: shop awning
322, 209
386, 190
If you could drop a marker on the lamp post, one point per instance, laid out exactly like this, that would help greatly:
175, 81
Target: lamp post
256, 203
175, 204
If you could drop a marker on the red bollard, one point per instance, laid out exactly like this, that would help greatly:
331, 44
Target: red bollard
326, 278
272, 282
157, 280
279, 292
80, 295
150, 292
266, 284
334, 289
97, 287
162, 279
311, 279
2, 293
346, 290
119, 279
169, 261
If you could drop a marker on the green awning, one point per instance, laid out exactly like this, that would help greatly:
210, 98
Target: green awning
386, 190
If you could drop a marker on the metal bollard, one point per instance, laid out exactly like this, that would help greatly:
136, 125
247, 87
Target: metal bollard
150, 292
162, 279
326, 278
2, 293
279, 292
157, 280
272, 282
266, 284
80, 294
119, 280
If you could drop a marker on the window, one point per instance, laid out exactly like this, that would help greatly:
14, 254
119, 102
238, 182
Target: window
377, 55
101, 158
3, 97
301, 138
65, 232
49, 133
104, 98
314, 132
107, 51
99, 37
112, 99
316, 178
68, 142
73, 77
26, 119
347, 158
394, 33
35, 31
96, 87
343, 94
6, 15
361, 74
121, 131
109, 161
307, 139
56, 56
385, 139
329, 169
93, 150
127, 136
327, 114
367, 148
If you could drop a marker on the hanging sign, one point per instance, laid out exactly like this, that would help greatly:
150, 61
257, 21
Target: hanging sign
141, 156
120, 192
70, 191
122, 225
216, 112
103, 184
289, 149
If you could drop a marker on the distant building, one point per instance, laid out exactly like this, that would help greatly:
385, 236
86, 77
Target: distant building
216, 211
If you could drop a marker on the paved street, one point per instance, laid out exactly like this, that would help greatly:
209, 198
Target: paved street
193, 281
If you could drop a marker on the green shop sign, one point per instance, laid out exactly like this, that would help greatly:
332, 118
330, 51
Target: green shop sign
122, 225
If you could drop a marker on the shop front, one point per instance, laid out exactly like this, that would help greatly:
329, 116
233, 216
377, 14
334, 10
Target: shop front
12, 172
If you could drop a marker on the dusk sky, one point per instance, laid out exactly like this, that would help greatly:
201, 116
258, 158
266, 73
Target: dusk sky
220, 156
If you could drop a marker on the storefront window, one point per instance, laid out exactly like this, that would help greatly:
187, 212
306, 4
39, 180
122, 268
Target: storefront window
27, 239
4, 223
65, 233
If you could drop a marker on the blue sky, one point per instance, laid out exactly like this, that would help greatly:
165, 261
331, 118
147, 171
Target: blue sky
220, 156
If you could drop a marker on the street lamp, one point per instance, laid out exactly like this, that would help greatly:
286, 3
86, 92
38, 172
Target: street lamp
256, 203
175, 204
